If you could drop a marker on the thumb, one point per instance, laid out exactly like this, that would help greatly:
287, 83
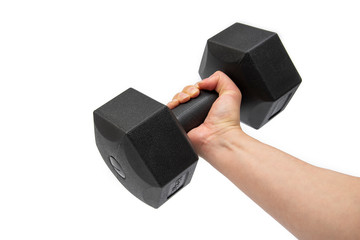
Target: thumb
222, 84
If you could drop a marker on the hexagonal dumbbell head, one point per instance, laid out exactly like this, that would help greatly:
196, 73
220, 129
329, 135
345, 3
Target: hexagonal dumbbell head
145, 146
258, 63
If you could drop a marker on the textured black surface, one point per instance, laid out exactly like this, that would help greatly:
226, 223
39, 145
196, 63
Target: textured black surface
192, 113
258, 63
148, 143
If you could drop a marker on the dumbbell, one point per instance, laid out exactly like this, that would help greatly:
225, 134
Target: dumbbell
145, 144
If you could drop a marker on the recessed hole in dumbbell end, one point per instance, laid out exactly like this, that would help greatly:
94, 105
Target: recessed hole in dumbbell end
117, 167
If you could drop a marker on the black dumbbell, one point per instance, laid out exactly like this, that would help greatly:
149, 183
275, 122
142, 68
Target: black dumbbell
144, 143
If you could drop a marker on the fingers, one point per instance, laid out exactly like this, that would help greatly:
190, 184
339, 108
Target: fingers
192, 91
219, 82
173, 104
187, 93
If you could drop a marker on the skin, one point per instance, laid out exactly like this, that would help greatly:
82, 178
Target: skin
311, 202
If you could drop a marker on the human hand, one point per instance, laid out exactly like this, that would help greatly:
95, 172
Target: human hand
223, 117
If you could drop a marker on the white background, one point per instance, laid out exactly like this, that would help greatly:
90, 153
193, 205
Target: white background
60, 60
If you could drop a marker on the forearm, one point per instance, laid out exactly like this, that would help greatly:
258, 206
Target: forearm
310, 202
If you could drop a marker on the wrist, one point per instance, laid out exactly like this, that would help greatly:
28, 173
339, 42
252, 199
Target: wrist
218, 144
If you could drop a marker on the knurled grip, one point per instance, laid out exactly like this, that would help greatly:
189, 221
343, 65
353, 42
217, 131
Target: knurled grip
193, 113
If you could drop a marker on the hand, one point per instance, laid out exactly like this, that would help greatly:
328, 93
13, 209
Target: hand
223, 117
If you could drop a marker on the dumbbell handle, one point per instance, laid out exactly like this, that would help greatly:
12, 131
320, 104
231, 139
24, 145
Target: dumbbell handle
193, 113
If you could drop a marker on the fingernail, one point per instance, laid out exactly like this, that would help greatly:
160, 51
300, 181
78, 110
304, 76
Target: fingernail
193, 90
183, 95
172, 104
197, 84
174, 101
